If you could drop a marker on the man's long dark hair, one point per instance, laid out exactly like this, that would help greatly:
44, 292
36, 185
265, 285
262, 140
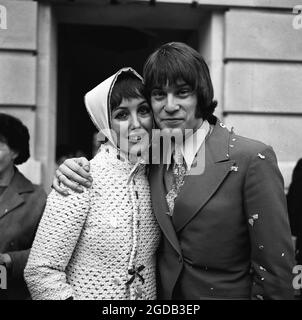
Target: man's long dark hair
177, 61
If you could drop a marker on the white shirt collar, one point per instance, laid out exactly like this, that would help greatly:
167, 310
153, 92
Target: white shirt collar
192, 144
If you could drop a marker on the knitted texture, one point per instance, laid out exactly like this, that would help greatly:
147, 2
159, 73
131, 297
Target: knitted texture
85, 241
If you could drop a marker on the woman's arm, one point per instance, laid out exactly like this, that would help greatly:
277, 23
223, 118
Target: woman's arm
272, 254
56, 238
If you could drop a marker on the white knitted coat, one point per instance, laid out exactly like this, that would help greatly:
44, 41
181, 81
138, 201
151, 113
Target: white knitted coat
84, 242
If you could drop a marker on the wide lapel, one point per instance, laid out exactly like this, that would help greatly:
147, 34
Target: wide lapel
12, 197
198, 189
160, 205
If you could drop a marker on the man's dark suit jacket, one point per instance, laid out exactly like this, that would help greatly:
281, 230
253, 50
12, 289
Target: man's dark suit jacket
21, 209
229, 236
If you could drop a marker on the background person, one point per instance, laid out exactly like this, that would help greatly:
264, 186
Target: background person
21, 206
294, 203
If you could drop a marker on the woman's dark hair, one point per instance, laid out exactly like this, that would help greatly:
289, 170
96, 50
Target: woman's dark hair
177, 61
14, 133
127, 86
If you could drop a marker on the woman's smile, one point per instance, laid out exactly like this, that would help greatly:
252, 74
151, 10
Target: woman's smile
132, 122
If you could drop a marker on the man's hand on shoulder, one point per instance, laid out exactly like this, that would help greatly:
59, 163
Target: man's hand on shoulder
74, 174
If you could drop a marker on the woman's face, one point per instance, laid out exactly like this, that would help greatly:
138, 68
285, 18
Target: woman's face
7, 157
132, 122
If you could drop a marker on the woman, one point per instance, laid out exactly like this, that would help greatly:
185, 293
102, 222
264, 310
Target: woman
106, 250
21, 206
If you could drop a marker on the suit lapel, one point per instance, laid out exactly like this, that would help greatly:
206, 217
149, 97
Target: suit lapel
12, 197
10, 201
198, 189
160, 205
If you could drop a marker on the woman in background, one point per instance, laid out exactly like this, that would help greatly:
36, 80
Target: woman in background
21, 206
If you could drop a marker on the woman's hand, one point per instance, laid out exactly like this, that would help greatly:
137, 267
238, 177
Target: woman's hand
72, 173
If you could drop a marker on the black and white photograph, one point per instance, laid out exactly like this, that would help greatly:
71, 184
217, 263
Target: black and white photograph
150, 150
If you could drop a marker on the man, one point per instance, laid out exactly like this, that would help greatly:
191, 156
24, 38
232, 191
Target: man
225, 230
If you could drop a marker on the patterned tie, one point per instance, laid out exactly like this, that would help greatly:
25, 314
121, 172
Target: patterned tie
179, 173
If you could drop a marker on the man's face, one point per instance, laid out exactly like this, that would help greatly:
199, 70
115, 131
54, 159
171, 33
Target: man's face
174, 107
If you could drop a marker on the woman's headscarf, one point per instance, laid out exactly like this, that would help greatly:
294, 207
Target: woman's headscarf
97, 103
